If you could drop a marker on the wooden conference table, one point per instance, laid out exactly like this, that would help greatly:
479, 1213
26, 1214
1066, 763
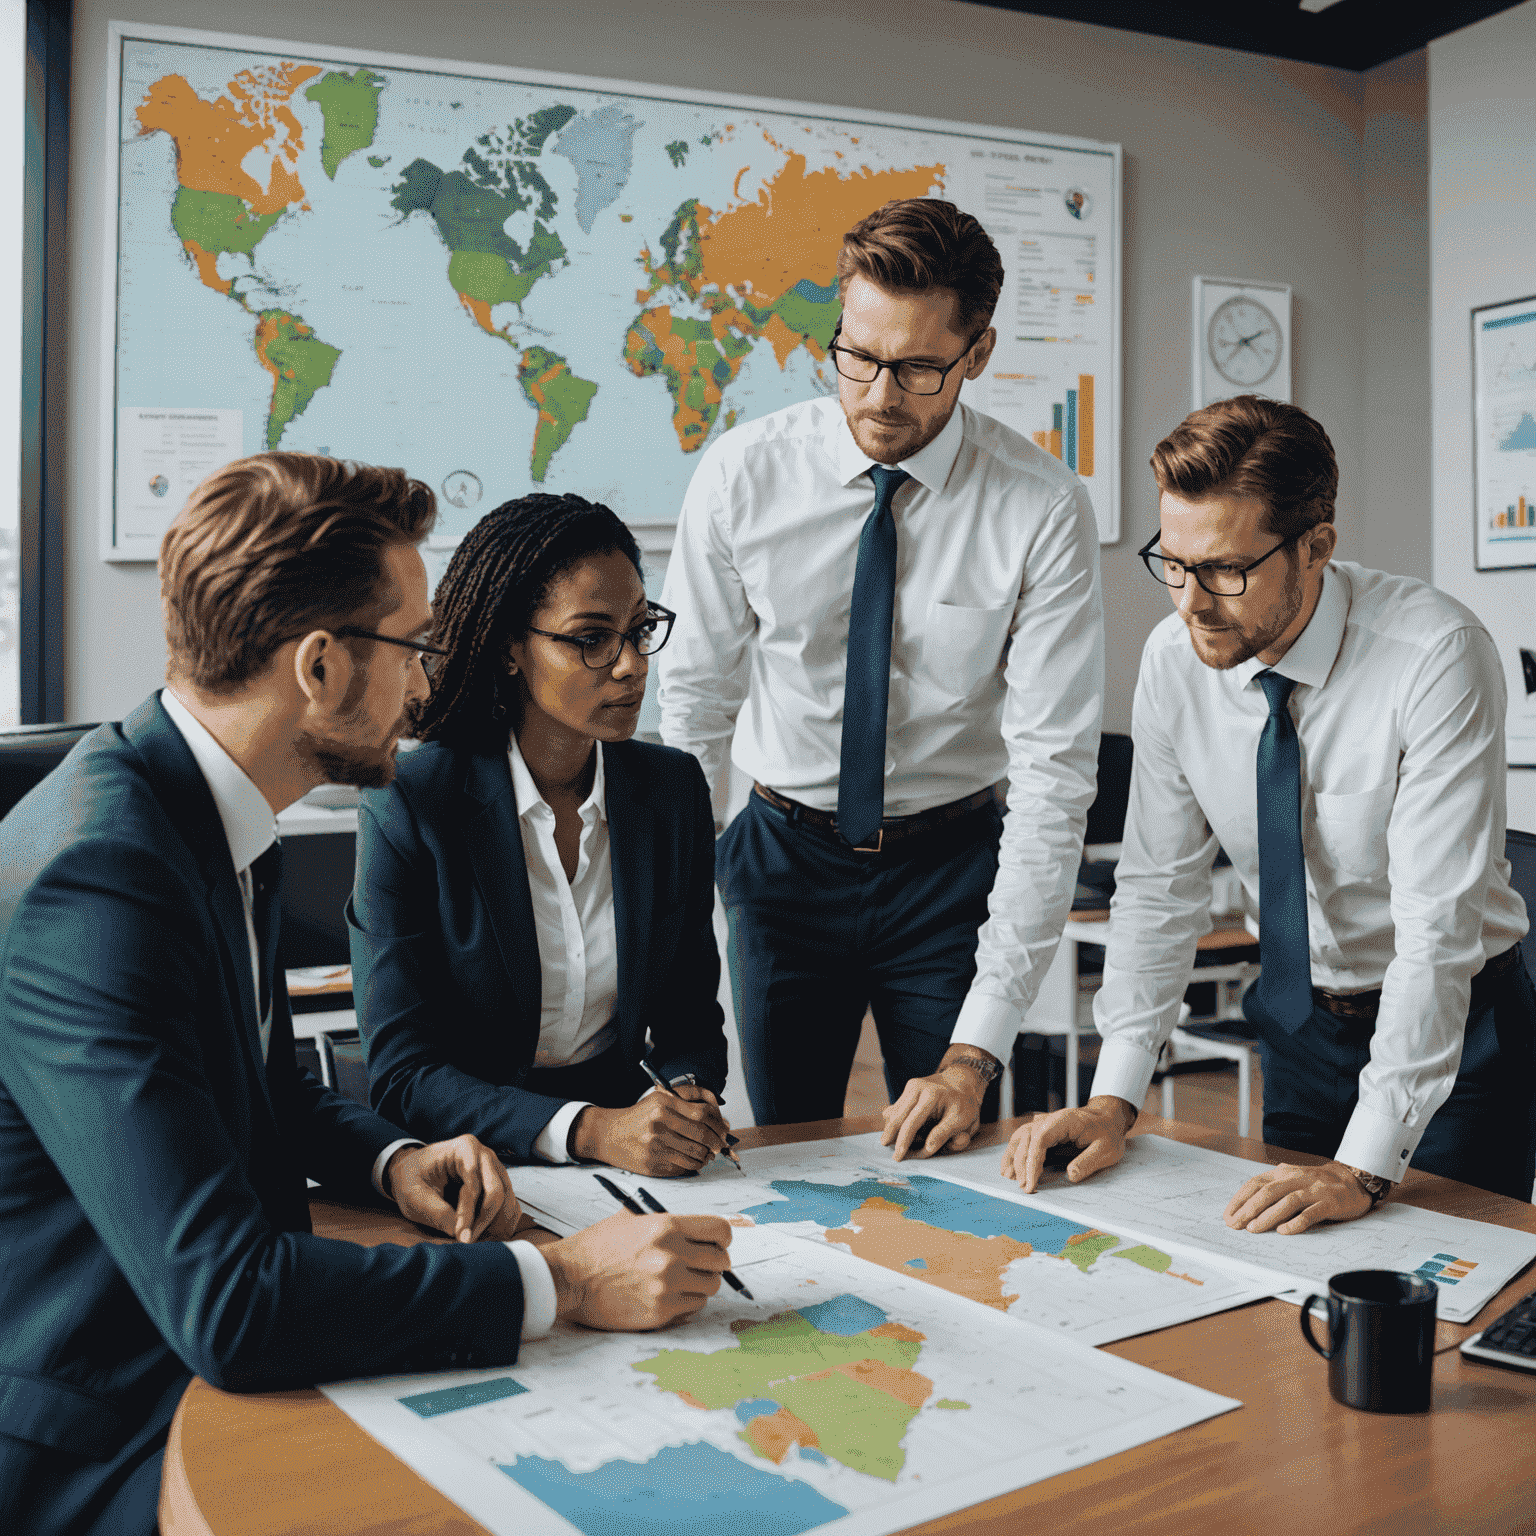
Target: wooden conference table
1290, 1459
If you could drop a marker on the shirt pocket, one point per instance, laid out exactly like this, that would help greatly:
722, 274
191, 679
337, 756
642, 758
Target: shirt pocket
1352, 831
962, 646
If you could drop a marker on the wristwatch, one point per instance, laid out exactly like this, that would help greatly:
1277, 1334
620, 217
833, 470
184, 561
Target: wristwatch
988, 1068
1373, 1184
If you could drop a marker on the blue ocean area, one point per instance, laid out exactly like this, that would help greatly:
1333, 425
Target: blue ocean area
756, 1408
684, 1490
843, 1315
936, 1202
917, 1263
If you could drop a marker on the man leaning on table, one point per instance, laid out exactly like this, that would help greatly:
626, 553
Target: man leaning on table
155, 1131
904, 595
1340, 733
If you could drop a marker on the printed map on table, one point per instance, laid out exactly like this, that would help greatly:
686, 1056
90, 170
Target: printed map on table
1090, 1283
509, 282
847, 1399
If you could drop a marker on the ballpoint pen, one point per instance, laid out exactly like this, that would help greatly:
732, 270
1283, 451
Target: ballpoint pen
636, 1209
666, 1087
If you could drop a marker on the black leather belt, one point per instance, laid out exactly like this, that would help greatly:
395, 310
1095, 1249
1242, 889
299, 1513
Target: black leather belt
1365, 1005
893, 830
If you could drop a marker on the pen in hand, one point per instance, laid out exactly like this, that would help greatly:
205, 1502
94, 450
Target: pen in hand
666, 1087
635, 1209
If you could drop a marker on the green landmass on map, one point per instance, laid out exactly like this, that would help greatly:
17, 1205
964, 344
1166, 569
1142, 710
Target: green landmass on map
219, 221
299, 362
1082, 1251
378, 162
561, 399
677, 152
950, 1402
349, 105
853, 1394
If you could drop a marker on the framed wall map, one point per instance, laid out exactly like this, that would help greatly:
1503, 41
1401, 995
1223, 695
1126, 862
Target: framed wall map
508, 281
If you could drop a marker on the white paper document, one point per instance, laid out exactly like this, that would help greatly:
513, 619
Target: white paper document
992, 1247
1167, 1192
162, 456
845, 1400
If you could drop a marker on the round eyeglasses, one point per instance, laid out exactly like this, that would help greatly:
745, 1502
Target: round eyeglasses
1218, 577
600, 648
915, 378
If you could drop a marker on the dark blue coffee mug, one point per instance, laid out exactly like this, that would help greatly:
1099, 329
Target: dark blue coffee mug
1381, 1339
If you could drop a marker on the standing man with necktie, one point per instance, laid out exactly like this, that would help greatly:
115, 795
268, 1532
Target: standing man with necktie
1340, 733
904, 595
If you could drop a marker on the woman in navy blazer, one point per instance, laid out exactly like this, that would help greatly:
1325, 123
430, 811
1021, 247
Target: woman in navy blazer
533, 905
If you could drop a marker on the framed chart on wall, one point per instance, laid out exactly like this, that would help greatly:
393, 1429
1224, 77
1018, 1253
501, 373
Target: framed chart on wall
1504, 435
511, 281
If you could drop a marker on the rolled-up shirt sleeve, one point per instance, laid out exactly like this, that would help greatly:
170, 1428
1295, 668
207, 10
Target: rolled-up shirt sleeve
1445, 833
704, 672
1051, 718
1160, 909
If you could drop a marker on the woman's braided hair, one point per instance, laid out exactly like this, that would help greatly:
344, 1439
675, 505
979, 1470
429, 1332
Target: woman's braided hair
498, 577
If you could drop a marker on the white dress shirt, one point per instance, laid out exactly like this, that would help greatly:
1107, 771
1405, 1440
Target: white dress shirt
250, 829
997, 663
577, 934
1399, 709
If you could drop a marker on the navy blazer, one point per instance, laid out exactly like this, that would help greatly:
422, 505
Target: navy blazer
154, 1221
445, 955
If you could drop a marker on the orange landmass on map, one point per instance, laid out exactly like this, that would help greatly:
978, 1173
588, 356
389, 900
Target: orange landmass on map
775, 1435
794, 228
480, 312
207, 264
905, 1386
213, 138
954, 1261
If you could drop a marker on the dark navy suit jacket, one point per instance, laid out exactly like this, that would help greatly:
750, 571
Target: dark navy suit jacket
445, 955
153, 1213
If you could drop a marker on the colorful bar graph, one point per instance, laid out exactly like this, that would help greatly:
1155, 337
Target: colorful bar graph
1070, 436
1520, 514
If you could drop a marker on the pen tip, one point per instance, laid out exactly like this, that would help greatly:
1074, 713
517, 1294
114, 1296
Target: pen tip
748, 1294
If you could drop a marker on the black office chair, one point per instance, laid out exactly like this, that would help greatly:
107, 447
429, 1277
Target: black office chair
29, 753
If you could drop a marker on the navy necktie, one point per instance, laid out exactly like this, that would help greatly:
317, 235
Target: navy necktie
1285, 982
861, 769
266, 895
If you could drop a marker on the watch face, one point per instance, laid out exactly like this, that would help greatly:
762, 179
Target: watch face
1244, 341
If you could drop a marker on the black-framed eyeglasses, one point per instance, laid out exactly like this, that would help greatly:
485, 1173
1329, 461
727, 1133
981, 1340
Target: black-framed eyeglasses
422, 649
1218, 577
600, 648
915, 378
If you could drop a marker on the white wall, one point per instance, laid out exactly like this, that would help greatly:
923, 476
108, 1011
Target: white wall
1235, 165
1482, 189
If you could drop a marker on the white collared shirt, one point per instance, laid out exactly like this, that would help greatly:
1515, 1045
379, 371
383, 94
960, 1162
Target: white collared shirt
577, 936
250, 829
997, 663
1399, 710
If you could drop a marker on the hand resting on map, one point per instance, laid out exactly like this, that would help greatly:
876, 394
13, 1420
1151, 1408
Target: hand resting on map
1099, 1128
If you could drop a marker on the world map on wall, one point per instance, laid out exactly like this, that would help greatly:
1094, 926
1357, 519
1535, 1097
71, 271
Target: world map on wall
504, 286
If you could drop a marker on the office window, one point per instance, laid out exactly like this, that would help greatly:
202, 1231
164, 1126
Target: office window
13, 46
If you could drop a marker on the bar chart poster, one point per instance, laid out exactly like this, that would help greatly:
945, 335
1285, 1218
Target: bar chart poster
1504, 434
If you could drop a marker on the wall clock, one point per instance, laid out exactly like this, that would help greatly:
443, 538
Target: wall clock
1240, 339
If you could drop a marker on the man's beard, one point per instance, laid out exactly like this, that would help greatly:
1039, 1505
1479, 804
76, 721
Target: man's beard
339, 761
1262, 637
917, 437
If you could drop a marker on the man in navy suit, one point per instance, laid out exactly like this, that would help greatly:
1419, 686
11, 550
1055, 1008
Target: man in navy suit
155, 1131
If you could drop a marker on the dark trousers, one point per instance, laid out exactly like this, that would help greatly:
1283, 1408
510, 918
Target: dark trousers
819, 934
1484, 1134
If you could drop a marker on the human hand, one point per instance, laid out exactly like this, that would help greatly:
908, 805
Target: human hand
1099, 1128
661, 1134
1287, 1199
635, 1273
418, 1180
949, 1101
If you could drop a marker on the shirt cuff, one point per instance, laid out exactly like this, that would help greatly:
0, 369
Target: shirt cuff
538, 1290
1125, 1071
551, 1141
381, 1162
1376, 1143
990, 1022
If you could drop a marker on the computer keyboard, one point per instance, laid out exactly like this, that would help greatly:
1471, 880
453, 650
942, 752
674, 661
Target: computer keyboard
1508, 1340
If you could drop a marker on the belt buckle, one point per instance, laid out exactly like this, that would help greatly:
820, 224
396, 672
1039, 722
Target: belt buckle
879, 843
